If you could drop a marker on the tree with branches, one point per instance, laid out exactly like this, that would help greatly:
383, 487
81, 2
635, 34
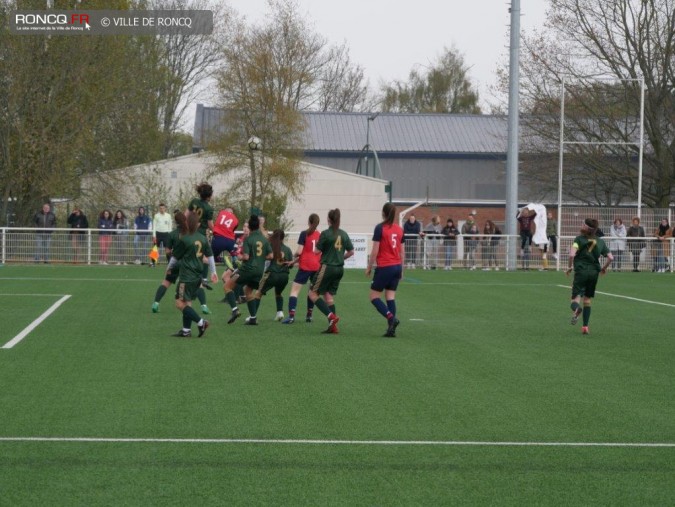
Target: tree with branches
602, 49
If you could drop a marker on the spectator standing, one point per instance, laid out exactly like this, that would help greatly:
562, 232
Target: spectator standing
432, 238
412, 230
45, 221
617, 242
78, 222
661, 247
105, 226
121, 227
470, 232
526, 222
142, 226
552, 236
450, 233
490, 245
162, 224
636, 245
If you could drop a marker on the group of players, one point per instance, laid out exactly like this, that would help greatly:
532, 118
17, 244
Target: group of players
258, 262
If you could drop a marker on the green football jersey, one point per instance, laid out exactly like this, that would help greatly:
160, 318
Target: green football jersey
204, 212
588, 253
257, 247
190, 251
333, 245
281, 267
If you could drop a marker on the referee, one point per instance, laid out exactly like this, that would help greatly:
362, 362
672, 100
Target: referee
161, 227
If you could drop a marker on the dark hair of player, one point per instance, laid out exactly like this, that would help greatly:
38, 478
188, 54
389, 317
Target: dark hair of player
181, 222
192, 222
275, 241
205, 191
334, 218
254, 222
389, 213
313, 223
592, 225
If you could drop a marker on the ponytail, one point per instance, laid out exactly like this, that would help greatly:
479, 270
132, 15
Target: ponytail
389, 213
334, 218
313, 223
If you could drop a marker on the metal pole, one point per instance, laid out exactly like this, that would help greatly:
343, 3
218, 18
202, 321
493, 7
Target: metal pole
512, 148
561, 149
642, 132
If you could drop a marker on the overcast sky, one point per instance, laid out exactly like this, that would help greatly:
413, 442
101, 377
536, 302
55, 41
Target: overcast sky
388, 37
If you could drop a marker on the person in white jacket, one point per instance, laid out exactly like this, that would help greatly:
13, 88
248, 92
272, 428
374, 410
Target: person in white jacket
617, 242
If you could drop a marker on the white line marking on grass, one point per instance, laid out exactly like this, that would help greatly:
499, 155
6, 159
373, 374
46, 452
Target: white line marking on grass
335, 442
35, 323
45, 279
626, 297
33, 295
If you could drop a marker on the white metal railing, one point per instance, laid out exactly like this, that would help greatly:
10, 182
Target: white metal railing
476, 252
480, 251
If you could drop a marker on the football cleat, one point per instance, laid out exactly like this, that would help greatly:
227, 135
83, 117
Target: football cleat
155, 307
584, 330
279, 317
203, 328
332, 329
288, 320
183, 334
251, 321
575, 316
206, 285
308, 318
205, 310
235, 315
391, 328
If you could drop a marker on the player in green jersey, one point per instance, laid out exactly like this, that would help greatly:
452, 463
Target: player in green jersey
276, 276
584, 259
335, 246
204, 211
171, 275
255, 254
192, 246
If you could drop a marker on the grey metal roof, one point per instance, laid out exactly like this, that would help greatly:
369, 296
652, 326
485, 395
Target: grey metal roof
389, 132
414, 133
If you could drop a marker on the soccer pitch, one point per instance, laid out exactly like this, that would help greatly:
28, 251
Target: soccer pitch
487, 396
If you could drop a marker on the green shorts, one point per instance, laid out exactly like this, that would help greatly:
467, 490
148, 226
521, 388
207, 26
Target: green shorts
187, 291
249, 278
276, 281
327, 279
584, 283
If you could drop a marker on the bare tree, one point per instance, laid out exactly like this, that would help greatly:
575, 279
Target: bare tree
602, 48
185, 63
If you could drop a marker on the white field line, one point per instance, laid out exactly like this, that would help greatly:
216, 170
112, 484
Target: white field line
625, 297
35, 323
335, 442
32, 295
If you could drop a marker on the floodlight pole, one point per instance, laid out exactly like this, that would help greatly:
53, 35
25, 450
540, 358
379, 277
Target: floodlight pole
512, 148
642, 133
560, 161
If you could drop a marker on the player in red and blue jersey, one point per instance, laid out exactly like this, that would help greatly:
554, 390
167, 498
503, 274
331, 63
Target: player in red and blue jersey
387, 258
309, 262
224, 239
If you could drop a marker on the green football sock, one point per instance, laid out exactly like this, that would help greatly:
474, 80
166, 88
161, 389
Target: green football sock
201, 295
587, 315
322, 306
161, 290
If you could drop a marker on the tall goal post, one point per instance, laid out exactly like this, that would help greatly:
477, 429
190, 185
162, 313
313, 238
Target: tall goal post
563, 143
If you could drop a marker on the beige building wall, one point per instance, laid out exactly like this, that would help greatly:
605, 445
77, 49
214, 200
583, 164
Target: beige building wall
360, 198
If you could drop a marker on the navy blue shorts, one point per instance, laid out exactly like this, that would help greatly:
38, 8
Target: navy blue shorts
386, 278
302, 276
221, 244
